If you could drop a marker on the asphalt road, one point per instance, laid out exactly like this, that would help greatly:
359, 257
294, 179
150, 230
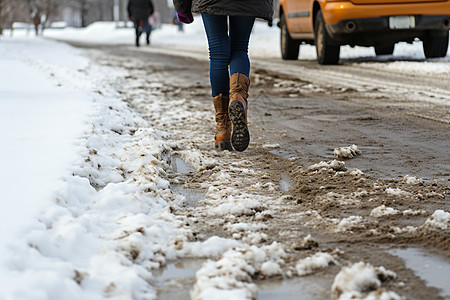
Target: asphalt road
298, 113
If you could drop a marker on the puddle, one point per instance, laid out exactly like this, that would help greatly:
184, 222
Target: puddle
435, 270
177, 279
192, 196
293, 289
285, 183
179, 166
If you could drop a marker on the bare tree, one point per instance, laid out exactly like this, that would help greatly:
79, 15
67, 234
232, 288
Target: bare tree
5, 12
41, 12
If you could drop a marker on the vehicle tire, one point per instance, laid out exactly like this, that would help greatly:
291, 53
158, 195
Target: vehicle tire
289, 47
384, 50
327, 51
435, 44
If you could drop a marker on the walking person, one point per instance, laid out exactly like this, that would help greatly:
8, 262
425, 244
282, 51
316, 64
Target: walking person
139, 12
228, 25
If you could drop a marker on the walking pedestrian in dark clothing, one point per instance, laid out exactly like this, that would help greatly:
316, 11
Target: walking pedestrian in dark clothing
139, 11
228, 25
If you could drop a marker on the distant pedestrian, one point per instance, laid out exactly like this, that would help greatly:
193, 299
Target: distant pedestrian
177, 22
154, 20
139, 12
228, 25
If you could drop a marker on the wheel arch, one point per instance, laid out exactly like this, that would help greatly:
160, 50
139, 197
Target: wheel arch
316, 7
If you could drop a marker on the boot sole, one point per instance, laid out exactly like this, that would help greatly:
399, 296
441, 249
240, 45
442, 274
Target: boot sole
224, 146
240, 137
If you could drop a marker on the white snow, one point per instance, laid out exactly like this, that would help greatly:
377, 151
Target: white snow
412, 180
383, 210
397, 192
264, 42
346, 152
313, 263
334, 165
346, 224
85, 211
355, 280
230, 276
439, 220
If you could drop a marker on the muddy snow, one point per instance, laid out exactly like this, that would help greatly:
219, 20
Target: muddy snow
149, 210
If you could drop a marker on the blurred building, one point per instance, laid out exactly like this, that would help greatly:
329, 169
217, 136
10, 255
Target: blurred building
81, 13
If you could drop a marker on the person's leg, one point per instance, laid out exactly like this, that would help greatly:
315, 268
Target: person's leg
219, 53
138, 30
219, 56
240, 30
148, 30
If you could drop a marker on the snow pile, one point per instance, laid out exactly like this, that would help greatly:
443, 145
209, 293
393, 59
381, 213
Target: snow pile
110, 222
312, 264
209, 248
397, 192
356, 172
271, 146
106, 221
406, 229
231, 276
346, 152
411, 212
346, 224
238, 205
439, 220
241, 227
355, 280
308, 242
379, 294
335, 165
412, 180
383, 210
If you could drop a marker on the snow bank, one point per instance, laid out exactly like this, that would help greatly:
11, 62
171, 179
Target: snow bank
313, 263
231, 276
103, 221
334, 165
346, 152
383, 210
264, 43
439, 220
355, 280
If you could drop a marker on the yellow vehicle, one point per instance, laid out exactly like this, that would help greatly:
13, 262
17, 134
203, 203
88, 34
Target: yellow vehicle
379, 23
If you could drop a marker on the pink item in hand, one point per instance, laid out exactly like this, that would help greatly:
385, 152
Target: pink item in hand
185, 18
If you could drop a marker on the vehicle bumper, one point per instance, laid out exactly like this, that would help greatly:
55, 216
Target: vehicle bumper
333, 12
381, 24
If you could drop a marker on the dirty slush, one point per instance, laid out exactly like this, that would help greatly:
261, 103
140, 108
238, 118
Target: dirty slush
311, 214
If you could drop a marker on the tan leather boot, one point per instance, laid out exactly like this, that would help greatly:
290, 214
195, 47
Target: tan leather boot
223, 125
237, 110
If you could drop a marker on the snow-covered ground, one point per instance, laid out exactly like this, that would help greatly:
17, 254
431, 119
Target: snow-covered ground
264, 43
84, 193
83, 186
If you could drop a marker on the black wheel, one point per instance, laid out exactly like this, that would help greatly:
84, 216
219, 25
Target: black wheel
435, 44
327, 51
385, 49
289, 47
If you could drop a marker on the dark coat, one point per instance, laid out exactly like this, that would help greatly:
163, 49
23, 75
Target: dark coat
250, 8
139, 9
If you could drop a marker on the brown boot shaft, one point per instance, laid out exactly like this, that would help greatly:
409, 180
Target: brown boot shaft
223, 124
239, 84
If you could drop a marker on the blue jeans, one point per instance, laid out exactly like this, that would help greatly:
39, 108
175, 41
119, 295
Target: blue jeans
227, 47
140, 26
